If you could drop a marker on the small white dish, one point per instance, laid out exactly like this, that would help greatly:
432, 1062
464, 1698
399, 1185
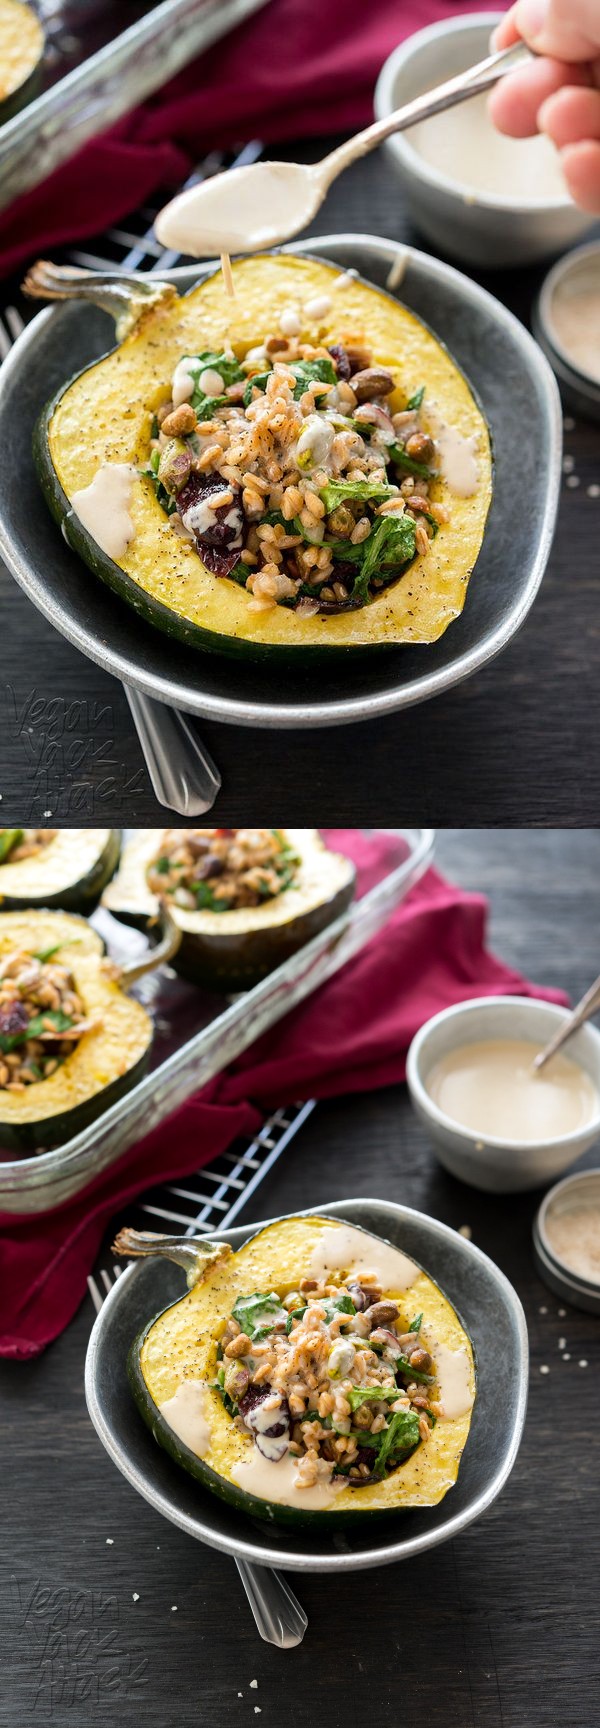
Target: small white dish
583, 1189
486, 229
580, 391
496, 1165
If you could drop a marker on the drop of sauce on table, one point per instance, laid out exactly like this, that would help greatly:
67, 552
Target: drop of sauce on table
278, 1482
185, 1413
490, 1087
344, 1249
103, 507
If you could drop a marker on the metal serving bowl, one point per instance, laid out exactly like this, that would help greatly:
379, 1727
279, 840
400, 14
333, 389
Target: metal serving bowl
493, 1316
515, 388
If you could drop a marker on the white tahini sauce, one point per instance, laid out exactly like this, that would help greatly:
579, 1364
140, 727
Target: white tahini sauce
575, 315
182, 388
453, 1373
201, 517
318, 307
104, 505
185, 1413
245, 210
491, 1088
343, 1248
278, 1482
463, 145
457, 454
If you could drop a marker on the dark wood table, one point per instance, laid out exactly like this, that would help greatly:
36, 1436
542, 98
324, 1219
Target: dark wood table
109, 1614
513, 744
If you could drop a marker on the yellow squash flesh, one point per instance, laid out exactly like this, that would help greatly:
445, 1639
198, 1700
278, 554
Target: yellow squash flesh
105, 416
182, 1344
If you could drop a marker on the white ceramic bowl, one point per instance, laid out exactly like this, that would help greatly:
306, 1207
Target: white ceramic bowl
484, 229
498, 1166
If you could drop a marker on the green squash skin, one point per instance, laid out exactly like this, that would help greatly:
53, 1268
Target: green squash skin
24, 93
249, 1504
81, 896
55, 1130
228, 964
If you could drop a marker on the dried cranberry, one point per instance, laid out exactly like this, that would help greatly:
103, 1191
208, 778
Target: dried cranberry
14, 1019
215, 545
339, 355
251, 1398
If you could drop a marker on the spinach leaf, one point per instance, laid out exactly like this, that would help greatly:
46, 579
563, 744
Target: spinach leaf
338, 491
310, 372
305, 372
341, 1304
416, 1324
228, 369
46, 953
258, 381
12, 1040
389, 546
403, 1366
401, 460
370, 1394
257, 1314
61, 1022
416, 399
400, 1436
205, 899
344, 550
9, 838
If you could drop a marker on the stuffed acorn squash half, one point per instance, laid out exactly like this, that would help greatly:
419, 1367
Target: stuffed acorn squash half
298, 470
66, 867
21, 55
318, 1375
71, 1040
244, 899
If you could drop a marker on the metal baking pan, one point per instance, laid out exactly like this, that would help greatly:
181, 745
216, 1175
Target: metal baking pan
198, 1035
107, 82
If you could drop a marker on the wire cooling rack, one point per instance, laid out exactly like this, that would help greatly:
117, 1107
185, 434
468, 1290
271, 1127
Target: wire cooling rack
213, 1197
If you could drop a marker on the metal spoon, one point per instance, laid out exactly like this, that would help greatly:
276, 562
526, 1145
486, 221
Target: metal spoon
196, 220
589, 1004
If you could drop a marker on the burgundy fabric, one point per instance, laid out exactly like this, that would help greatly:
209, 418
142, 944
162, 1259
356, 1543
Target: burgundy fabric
289, 72
351, 1036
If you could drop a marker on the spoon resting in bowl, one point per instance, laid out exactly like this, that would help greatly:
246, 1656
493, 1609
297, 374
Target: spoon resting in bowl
251, 209
589, 1004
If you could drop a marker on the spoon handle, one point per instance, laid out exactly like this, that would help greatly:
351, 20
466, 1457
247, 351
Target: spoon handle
589, 1004
183, 775
277, 1612
457, 89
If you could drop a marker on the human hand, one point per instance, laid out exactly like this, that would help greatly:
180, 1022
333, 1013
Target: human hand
559, 93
